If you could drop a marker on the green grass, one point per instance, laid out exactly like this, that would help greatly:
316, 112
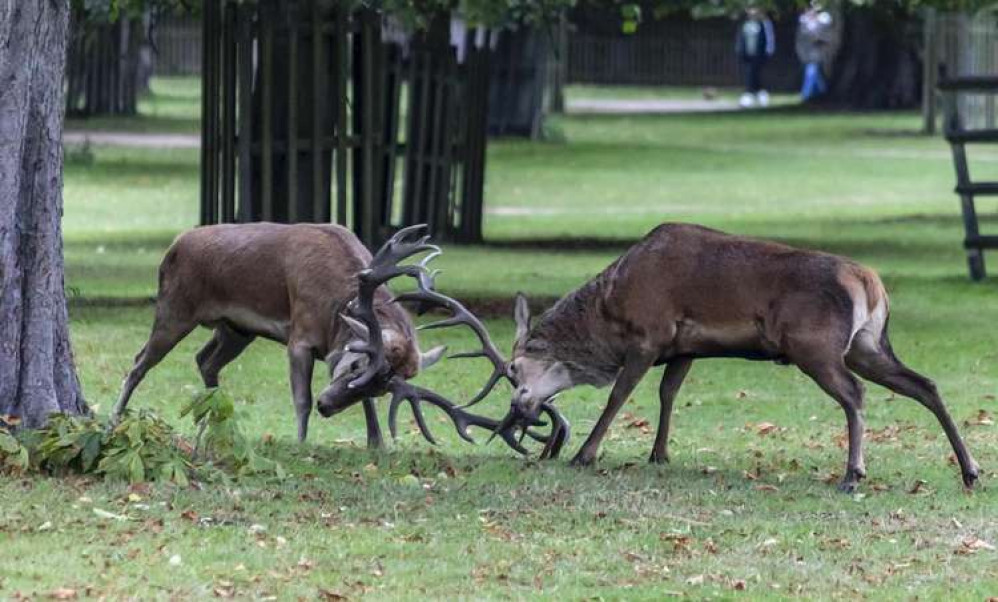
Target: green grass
734, 505
173, 105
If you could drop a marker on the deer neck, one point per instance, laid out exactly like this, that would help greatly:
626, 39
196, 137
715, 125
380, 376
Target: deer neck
577, 334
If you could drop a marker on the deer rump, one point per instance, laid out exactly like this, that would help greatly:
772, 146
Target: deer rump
317, 290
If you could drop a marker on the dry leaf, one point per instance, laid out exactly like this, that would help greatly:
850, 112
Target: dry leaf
765, 428
63, 593
331, 596
972, 545
695, 580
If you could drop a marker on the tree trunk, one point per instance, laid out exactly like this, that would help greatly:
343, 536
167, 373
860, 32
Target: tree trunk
877, 66
37, 376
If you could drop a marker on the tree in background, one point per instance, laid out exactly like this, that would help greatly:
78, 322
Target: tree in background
878, 65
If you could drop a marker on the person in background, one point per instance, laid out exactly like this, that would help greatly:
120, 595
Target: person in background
815, 42
756, 42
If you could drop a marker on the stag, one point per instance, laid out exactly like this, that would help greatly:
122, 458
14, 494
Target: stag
686, 292
317, 290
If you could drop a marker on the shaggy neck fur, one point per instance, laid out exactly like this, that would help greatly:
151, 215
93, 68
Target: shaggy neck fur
575, 333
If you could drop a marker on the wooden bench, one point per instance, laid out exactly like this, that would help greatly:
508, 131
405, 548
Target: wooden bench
958, 137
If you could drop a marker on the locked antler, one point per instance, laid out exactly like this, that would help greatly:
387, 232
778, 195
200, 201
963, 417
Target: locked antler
378, 375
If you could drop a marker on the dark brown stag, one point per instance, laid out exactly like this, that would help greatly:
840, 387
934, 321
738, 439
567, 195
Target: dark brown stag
317, 290
686, 292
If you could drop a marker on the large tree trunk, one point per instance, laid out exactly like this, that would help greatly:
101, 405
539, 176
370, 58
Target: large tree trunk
37, 376
877, 66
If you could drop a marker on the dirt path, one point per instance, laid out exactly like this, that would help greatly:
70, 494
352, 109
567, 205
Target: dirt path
646, 106
132, 139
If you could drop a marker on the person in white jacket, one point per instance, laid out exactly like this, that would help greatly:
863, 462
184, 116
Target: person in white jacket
754, 44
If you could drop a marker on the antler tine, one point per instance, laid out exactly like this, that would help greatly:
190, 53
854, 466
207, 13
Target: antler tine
404, 391
383, 267
459, 315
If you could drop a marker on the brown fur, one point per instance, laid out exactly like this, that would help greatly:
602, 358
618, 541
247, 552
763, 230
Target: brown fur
686, 292
288, 283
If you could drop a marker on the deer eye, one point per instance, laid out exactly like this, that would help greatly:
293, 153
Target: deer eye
535, 346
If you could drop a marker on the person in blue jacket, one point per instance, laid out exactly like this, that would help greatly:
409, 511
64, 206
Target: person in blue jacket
755, 43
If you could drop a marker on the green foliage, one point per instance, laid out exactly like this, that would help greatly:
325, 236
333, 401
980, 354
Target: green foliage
141, 448
221, 439
13, 454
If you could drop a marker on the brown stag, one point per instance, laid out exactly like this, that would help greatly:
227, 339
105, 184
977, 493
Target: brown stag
686, 292
317, 290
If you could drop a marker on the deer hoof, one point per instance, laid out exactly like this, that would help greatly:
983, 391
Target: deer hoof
970, 477
851, 480
658, 458
582, 459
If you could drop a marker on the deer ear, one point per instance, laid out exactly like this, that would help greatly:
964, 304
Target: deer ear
431, 357
521, 314
356, 326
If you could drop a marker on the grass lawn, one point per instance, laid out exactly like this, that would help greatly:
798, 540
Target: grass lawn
746, 509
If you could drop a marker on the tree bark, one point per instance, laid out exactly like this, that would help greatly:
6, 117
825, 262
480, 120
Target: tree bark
877, 66
37, 375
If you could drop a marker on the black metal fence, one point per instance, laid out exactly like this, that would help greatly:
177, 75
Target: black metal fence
308, 115
677, 52
176, 45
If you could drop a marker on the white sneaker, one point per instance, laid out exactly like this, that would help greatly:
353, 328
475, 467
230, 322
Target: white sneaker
763, 98
746, 101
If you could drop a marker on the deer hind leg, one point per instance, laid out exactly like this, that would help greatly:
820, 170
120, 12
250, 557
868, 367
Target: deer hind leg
672, 380
166, 333
836, 380
374, 438
819, 354
225, 345
875, 361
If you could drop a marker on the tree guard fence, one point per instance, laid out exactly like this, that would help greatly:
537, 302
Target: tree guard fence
103, 66
312, 113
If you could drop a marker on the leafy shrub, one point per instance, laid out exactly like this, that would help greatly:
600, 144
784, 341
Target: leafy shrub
142, 447
220, 438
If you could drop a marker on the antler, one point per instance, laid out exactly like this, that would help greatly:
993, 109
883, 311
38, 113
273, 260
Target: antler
415, 395
426, 293
385, 266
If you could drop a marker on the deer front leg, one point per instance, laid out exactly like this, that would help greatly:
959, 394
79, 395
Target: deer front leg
672, 380
301, 362
635, 367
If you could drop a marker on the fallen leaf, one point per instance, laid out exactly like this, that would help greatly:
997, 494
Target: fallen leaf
972, 545
695, 580
739, 585
331, 596
917, 487
982, 419
110, 515
765, 428
62, 593
767, 488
